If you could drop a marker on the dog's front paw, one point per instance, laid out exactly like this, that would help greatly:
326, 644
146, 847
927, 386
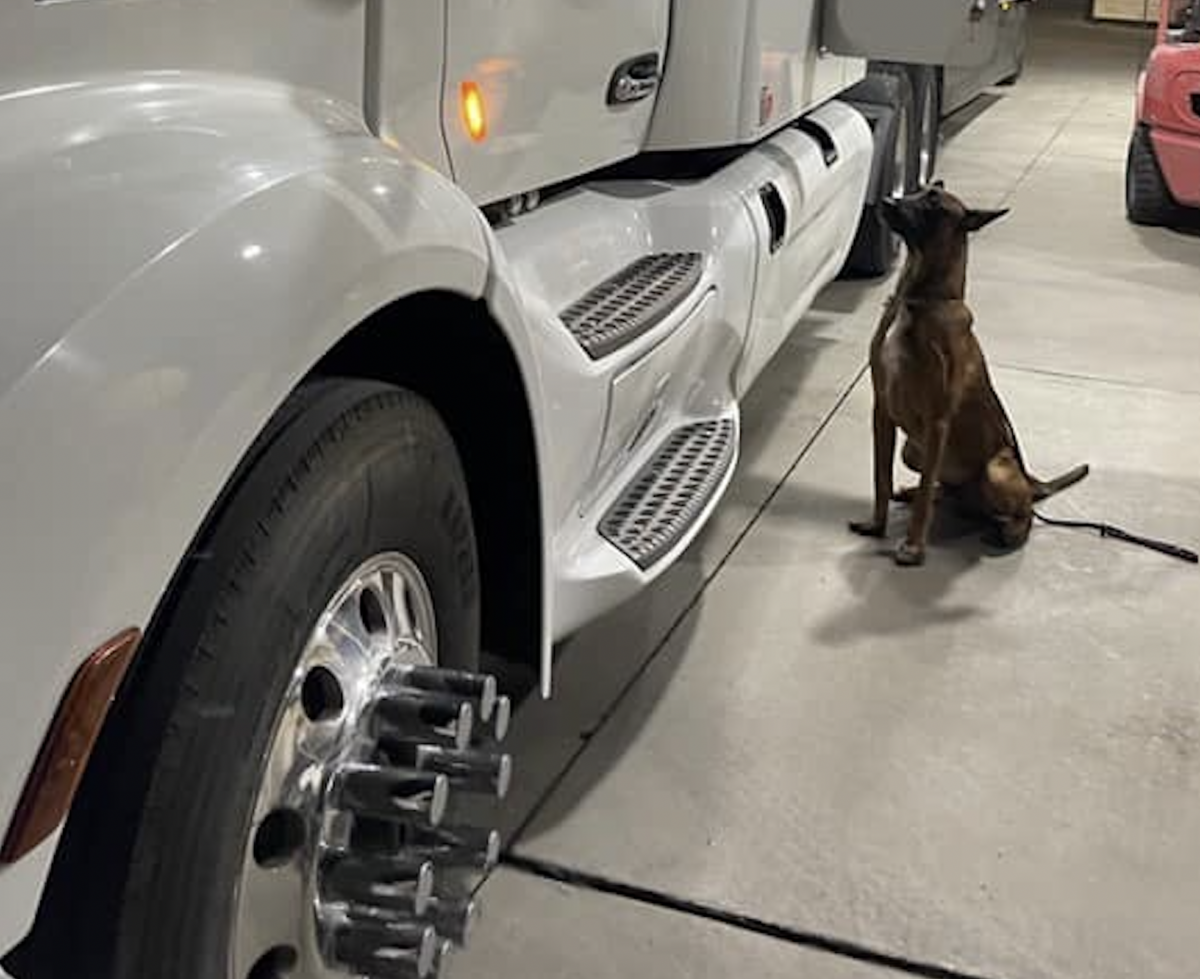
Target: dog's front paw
909, 555
868, 528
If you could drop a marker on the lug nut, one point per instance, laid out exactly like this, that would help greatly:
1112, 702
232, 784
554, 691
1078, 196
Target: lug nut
496, 731
444, 949
501, 718
472, 770
436, 717
458, 847
384, 950
479, 688
393, 793
452, 919
397, 884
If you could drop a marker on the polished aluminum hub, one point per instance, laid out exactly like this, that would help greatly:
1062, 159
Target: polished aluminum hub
361, 855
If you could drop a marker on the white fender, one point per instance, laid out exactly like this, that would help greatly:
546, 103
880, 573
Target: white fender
238, 231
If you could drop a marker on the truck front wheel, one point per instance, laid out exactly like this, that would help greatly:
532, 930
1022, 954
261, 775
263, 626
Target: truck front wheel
308, 719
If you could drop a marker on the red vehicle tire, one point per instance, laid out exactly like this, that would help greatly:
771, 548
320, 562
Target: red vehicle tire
1148, 199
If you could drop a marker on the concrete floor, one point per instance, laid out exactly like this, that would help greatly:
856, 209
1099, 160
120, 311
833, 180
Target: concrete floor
798, 760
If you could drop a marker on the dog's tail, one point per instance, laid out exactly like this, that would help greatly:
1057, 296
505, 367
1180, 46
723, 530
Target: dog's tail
1044, 489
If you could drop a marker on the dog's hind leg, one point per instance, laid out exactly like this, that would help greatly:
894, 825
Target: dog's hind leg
911, 551
907, 495
913, 455
885, 457
914, 459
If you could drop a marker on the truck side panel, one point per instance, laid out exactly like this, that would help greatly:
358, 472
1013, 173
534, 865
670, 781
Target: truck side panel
402, 90
740, 69
544, 71
267, 229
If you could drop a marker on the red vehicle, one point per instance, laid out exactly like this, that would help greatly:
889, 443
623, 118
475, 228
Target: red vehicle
1162, 175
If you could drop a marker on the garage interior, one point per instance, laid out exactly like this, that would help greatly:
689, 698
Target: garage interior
790, 758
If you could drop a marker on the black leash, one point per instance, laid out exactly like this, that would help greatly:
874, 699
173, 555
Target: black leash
1107, 530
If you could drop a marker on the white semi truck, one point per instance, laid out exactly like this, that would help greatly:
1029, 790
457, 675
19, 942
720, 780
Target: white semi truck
344, 340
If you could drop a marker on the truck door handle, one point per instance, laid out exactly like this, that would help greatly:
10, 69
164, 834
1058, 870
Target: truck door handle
634, 80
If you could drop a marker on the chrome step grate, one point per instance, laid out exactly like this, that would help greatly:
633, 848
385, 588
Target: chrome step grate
622, 308
670, 492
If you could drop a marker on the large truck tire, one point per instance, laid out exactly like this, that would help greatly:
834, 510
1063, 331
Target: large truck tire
885, 98
291, 746
1148, 199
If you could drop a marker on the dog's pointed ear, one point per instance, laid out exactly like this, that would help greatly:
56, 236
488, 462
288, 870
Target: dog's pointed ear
978, 220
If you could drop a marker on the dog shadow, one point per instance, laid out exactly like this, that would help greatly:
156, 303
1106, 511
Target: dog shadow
893, 599
882, 598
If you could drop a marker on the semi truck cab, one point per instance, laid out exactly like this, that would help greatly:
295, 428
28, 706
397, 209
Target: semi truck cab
349, 347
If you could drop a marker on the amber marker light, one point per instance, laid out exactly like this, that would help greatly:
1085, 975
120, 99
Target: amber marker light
474, 111
64, 754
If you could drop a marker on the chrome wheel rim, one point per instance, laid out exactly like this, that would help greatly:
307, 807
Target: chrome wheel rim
379, 623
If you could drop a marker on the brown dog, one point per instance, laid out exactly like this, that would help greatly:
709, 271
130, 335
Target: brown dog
931, 381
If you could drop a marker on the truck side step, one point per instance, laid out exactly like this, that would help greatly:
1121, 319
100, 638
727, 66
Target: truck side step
670, 491
633, 301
